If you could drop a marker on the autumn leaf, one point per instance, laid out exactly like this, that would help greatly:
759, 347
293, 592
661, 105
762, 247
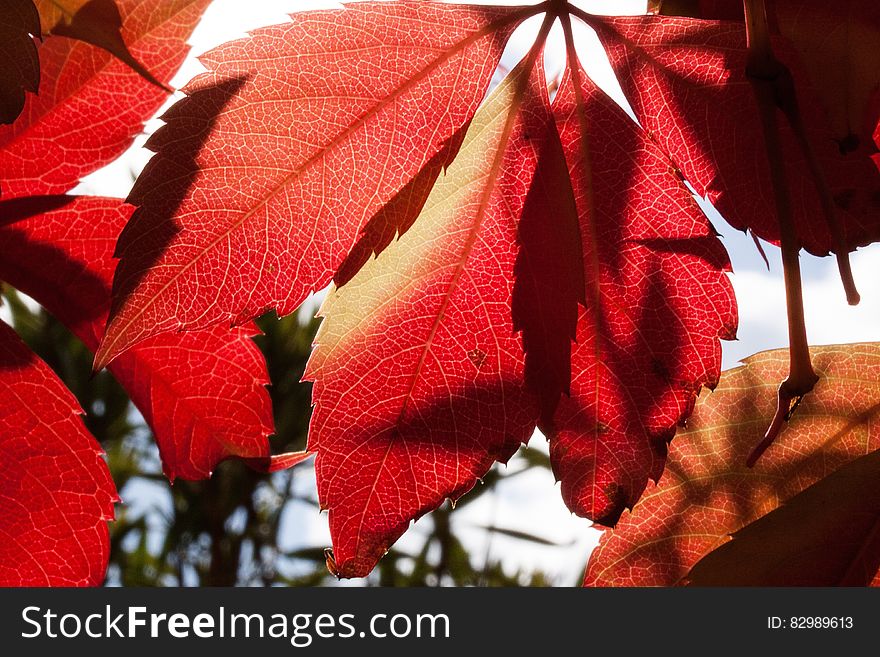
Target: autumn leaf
397, 216
548, 277
687, 83
838, 44
91, 106
463, 307
97, 22
527, 257
202, 392
56, 494
21, 69
657, 303
419, 376
499, 263
707, 493
824, 536
342, 109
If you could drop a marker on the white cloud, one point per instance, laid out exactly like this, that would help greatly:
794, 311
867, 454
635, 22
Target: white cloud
829, 319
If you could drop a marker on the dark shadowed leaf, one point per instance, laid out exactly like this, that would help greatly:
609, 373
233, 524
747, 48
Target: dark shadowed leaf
21, 65
827, 535
97, 22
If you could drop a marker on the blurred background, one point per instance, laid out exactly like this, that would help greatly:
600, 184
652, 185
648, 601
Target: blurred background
250, 529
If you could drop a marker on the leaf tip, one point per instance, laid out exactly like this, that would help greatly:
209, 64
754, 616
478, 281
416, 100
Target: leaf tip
101, 361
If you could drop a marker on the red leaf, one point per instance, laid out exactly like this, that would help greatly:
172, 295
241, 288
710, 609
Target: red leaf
838, 44
657, 303
686, 81
56, 494
396, 216
91, 105
419, 376
342, 109
21, 66
707, 493
203, 392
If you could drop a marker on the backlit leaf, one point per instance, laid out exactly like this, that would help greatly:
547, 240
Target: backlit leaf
21, 65
203, 392
838, 43
687, 83
419, 376
317, 125
56, 494
91, 105
827, 535
499, 262
657, 303
97, 22
707, 493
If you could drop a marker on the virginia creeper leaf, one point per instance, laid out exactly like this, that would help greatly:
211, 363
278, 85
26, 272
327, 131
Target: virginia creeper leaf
419, 375
687, 83
56, 494
657, 303
341, 109
826, 535
203, 392
21, 65
838, 43
707, 493
97, 22
91, 105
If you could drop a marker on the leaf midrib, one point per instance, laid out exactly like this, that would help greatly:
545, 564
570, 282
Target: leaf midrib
467, 248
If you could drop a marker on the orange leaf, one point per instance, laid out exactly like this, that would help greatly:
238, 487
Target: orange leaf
707, 493
827, 535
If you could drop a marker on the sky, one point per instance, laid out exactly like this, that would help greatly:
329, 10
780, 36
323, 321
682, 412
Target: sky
531, 501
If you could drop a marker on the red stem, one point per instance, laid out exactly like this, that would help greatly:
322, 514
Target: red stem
767, 77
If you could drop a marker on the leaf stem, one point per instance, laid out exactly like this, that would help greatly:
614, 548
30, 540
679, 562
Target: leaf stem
829, 209
588, 19
768, 76
763, 66
558, 8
